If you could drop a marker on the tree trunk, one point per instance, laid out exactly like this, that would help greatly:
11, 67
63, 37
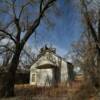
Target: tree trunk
98, 67
8, 82
98, 58
95, 75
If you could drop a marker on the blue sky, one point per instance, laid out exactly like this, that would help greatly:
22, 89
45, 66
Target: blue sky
67, 29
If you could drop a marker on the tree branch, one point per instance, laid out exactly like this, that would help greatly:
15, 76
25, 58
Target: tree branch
13, 7
99, 26
7, 48
23, 7
8, 34
90, 26
37, 21
88, 21
16, 21
41, 4
30, 56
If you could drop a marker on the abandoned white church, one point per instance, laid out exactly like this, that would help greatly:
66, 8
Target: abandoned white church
50, 69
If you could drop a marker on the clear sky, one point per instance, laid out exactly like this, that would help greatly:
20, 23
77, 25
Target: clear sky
67, 28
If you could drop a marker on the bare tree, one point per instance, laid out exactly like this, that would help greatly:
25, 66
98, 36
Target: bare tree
21, 21
93, 26
87, 49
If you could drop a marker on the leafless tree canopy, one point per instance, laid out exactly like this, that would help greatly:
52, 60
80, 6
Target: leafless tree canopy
87, 49
19, 19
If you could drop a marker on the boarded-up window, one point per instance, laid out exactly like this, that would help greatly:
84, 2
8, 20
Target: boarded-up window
33, 77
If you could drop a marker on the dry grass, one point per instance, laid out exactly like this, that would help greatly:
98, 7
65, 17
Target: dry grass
37, 91
63, 92
77, 90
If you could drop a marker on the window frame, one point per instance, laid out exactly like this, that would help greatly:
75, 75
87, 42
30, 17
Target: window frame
33, 75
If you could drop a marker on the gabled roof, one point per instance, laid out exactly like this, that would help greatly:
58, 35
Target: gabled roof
47, 58
44, 61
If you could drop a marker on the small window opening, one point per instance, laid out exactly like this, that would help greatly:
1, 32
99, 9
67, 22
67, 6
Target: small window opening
33, 77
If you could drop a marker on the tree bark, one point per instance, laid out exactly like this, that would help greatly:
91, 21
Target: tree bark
7, 89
